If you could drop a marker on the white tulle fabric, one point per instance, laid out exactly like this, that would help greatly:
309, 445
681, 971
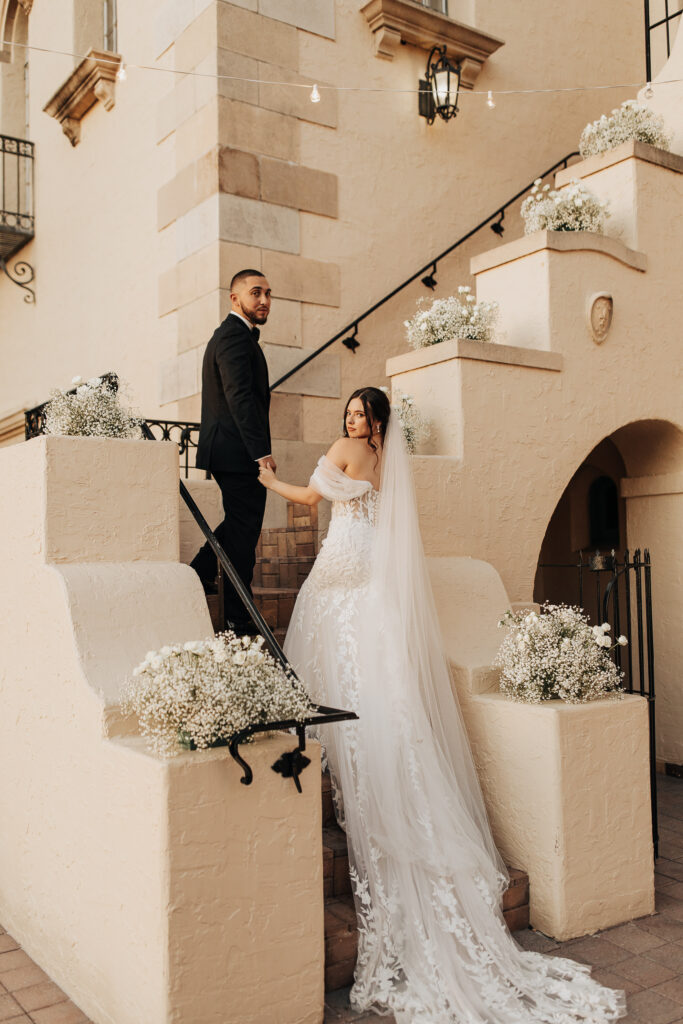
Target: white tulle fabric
427, 878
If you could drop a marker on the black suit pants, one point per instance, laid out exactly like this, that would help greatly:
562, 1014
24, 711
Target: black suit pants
244, 503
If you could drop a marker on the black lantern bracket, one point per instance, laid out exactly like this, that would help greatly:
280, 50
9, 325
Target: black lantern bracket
438, 91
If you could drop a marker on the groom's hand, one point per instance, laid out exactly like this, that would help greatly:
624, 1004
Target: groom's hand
268, 463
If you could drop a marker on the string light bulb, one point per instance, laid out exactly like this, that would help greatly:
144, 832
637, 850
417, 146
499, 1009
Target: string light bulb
315, 95
121, 74
490, 102
649, 91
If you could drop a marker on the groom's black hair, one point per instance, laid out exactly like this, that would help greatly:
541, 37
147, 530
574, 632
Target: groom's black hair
241, 275
376, 407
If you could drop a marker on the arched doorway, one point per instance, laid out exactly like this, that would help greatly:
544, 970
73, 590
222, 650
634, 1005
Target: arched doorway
628, 494
590, 516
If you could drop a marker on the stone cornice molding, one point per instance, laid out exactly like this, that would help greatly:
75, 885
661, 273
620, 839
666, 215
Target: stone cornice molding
559, 241
480, 351
93, 80
631, 150
404, 21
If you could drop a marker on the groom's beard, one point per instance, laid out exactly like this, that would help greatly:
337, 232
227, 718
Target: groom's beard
253, 318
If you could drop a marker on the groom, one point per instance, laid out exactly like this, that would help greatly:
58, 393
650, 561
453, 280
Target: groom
234, 436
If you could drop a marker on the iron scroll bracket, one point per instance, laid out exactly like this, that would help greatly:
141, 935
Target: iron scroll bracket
22, 274
291, 763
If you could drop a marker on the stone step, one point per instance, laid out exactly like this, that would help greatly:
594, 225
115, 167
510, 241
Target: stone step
274, 573
276, 604
341, 936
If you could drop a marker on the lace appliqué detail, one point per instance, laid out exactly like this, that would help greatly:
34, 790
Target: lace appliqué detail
433, 947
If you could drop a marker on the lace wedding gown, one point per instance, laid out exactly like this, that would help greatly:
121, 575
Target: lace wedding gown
427, 879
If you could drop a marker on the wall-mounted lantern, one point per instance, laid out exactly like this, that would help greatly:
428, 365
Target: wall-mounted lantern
439, 89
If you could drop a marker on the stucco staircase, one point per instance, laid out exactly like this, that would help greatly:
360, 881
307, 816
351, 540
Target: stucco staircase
283, 560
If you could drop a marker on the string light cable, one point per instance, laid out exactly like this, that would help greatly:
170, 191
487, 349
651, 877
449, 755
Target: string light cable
316, 90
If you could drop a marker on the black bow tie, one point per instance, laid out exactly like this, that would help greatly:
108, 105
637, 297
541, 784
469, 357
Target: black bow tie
255, 333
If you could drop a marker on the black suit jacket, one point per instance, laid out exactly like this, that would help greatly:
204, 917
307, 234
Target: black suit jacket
234, 431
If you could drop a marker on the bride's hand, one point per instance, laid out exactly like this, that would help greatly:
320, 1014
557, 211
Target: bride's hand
266, 476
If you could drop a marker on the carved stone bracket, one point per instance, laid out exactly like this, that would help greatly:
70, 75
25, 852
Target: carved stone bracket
404, 21
93, 80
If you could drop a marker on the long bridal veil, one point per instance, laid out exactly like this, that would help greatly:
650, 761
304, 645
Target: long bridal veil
427, 877
400, 573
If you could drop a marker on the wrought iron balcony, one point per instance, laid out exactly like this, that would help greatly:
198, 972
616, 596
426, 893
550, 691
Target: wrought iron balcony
17, 221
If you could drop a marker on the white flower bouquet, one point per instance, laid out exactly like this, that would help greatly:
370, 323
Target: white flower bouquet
557, 654
413, 424
92, 408
573, 208
454, 317
632, 120
199, 694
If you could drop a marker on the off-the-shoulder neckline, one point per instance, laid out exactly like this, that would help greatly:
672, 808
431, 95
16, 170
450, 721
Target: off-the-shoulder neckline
356, 480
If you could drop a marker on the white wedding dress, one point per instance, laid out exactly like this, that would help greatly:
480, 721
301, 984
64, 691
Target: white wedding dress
427, 878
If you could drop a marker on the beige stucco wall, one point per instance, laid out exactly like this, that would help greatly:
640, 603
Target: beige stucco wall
95, 253
151, 891
105, 303
552, 774
513, 420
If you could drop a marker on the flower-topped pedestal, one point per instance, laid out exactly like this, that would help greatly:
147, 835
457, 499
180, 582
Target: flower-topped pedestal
553, 772
150, 889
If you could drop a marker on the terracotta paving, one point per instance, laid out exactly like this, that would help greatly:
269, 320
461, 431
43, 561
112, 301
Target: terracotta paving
644, 957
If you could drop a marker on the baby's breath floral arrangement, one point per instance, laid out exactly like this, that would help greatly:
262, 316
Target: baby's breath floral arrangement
92, 408
458, 316
557, 654
201, 693
632, 120
574, 208
414, 425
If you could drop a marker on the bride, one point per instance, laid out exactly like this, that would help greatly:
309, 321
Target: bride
427, 878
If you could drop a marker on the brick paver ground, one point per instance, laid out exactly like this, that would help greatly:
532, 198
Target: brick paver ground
644, 957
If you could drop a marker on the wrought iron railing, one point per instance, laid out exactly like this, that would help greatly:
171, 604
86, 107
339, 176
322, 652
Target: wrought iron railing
348, 334
17, 220
618, 590
186, 436
660, 31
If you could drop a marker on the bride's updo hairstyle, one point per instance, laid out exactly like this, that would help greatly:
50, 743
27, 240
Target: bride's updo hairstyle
377, 409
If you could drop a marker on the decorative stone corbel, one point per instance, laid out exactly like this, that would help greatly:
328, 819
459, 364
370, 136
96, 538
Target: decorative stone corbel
403, 21
93, 80
72, 129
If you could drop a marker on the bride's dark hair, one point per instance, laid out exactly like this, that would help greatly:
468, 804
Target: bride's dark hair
377, 409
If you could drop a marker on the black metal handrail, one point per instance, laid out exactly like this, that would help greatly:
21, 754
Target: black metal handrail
349, 332
290, 764
650, 26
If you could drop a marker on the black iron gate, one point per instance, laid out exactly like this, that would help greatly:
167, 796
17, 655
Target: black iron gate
618, 590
